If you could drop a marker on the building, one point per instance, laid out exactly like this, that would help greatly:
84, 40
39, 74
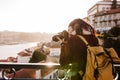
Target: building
105, 20
104, 14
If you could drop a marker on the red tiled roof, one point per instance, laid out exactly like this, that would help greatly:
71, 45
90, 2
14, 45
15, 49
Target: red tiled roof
3, 60
114, 11
24, 53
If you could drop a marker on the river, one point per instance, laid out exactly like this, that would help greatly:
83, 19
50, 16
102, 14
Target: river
12, 50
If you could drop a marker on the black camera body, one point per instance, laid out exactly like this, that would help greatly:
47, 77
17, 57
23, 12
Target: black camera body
61, 35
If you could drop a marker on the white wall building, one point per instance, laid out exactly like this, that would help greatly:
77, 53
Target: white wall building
99, 7
54, 51
23, 57
107, 19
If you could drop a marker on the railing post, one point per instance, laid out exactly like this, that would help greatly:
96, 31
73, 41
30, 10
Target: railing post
38, 74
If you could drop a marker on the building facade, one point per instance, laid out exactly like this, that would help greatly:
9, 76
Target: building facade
107, 19
101, 16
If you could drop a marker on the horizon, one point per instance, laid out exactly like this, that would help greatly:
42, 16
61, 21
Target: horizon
28, 32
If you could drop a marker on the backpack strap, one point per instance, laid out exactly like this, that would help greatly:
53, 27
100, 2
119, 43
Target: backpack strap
83, 39
96, 72
113, 69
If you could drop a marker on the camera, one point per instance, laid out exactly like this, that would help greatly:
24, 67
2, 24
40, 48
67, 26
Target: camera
60, 35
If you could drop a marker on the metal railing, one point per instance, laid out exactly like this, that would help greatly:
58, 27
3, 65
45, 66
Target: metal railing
37, 66
28, 65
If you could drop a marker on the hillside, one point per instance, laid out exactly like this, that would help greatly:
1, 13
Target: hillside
9, 37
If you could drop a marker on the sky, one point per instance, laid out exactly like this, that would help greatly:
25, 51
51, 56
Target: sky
50, 16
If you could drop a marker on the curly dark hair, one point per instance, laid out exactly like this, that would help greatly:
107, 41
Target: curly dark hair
37, 56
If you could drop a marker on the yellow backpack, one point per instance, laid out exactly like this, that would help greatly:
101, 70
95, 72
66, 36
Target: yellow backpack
99, 65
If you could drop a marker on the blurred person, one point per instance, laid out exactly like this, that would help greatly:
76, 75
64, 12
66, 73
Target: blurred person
112, 39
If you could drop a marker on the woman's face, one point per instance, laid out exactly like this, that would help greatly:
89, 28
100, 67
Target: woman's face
71, 31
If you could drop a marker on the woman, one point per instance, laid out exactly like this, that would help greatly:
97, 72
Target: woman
74, 51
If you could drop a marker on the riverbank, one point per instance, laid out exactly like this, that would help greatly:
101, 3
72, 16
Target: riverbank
12, 50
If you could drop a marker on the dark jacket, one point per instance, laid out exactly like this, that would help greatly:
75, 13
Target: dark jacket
112, 39
77, 52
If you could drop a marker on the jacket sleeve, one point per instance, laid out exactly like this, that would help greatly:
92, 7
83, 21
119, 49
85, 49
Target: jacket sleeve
64, 55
